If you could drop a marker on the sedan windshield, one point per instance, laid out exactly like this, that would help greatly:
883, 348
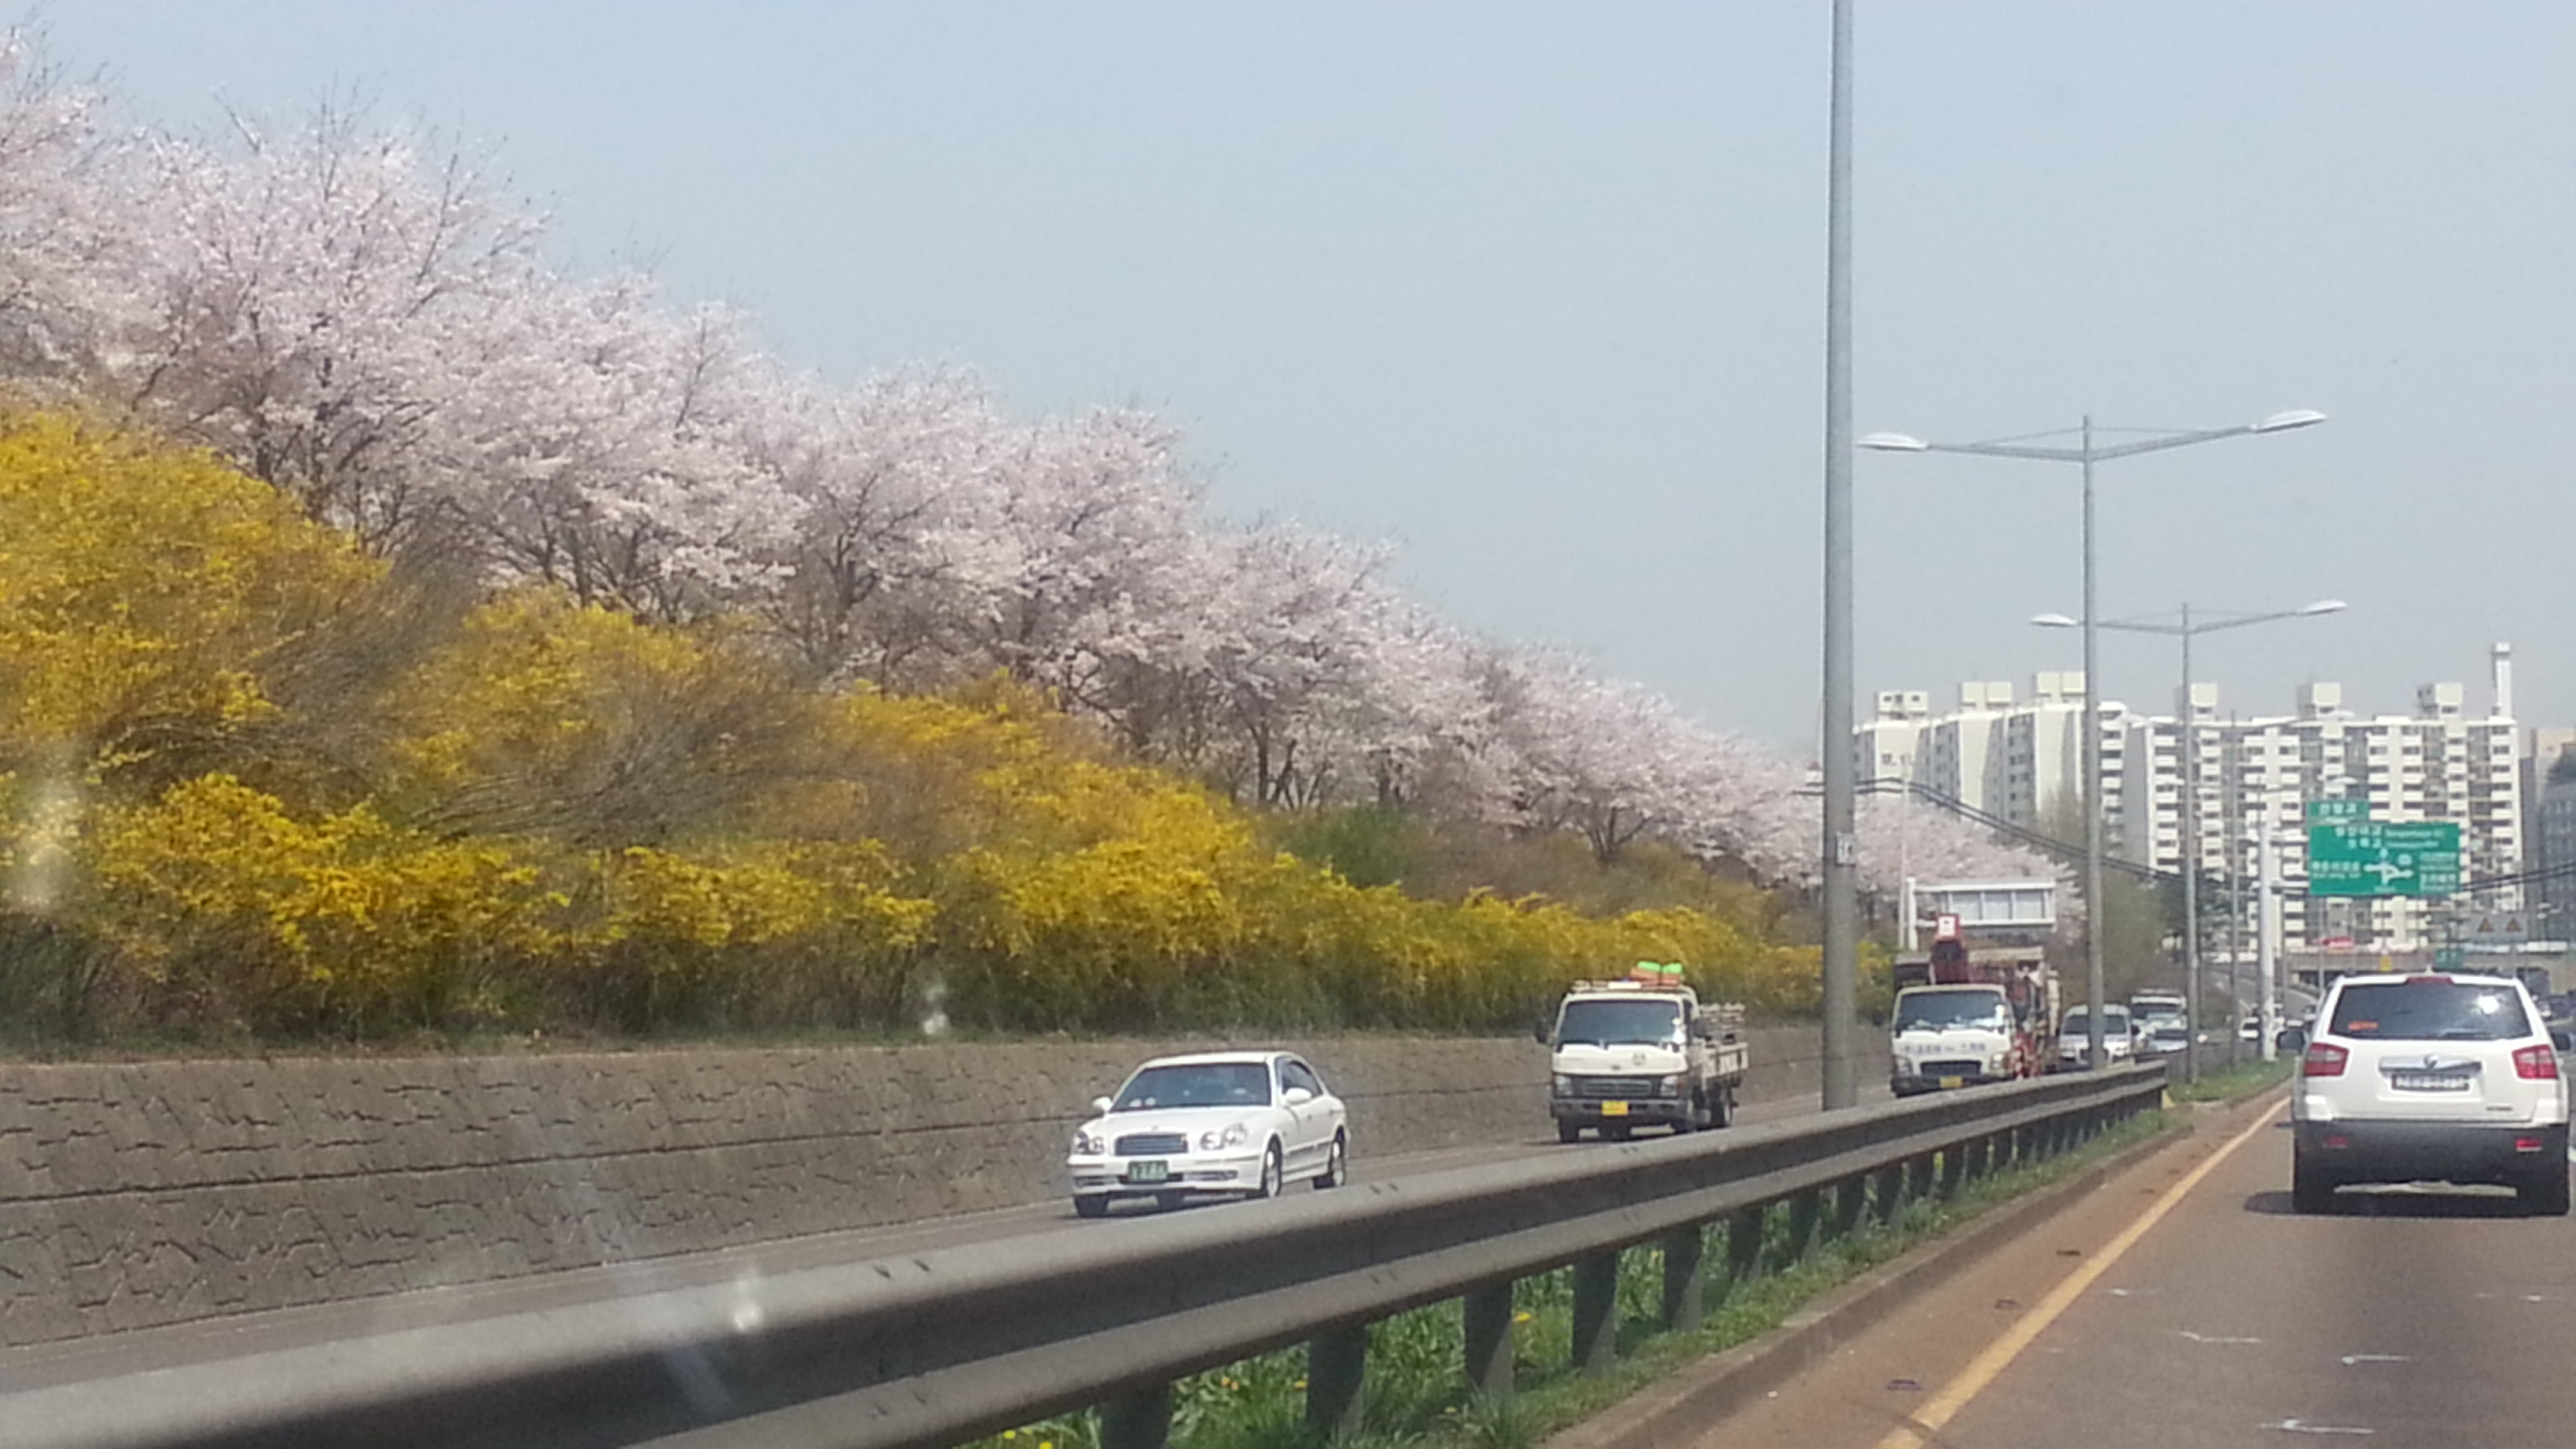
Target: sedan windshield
2429, 1011
1201, 1084
1932, 1010
1616, 1023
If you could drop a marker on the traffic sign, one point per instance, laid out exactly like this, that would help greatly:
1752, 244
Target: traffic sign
2498, 928
2384, 858
2450, 958
2322, 811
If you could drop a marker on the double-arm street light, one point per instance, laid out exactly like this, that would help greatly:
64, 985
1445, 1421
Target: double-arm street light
2087, 453
2187, 627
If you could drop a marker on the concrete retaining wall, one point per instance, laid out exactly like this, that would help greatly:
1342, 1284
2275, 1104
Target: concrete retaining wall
134, 1195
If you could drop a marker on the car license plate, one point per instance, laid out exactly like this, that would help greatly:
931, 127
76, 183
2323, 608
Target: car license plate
1149, 1171
1949, 1082
1614, 1109
2429, 1081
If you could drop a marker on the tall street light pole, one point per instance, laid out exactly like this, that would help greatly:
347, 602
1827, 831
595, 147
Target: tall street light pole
2086, 454
2187, 718
1840, 843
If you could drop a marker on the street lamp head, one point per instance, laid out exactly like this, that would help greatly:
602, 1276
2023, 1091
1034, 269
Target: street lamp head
1894, 443
2295, 418
2323, 606
2054, 621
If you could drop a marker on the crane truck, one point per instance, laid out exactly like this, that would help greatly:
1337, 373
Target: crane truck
1967, 1014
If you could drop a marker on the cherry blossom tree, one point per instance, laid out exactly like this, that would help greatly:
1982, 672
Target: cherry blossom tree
364, 319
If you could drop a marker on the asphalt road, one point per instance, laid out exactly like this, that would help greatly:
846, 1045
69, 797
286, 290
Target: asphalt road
2412, 1316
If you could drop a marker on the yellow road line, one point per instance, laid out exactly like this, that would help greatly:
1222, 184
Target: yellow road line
1921, 1429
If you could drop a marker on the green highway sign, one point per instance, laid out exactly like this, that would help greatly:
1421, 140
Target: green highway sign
2384, 858
2450, 958
2322, 811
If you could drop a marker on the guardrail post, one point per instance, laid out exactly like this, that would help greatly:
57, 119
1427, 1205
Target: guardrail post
1805, 1211
1921, 1175
1955, 1168
1596, 1312
1336, 1369
1744, 1244
1851, 1203
1141, 1420
1489, 1343
1887, 1193
1682, 1251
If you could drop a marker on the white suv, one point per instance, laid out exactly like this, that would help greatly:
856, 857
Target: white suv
2444, 1077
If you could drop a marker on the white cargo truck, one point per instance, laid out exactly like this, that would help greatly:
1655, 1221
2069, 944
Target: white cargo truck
1643, 1052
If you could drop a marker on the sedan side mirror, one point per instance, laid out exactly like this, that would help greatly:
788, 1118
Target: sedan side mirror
1101, 1104
1296, 1096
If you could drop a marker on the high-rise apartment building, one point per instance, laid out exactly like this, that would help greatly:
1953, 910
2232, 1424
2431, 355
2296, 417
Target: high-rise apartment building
2022, 761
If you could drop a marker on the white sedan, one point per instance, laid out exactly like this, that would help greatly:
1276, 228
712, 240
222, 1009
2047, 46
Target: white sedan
1240, 1123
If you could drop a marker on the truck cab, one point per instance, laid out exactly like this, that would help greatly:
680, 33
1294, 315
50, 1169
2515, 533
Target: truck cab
1641, 1053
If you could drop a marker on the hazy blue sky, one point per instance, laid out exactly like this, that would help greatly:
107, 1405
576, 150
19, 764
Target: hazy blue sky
1535, 291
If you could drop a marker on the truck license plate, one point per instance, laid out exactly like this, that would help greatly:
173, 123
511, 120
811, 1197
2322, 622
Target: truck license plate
1614, 1109
1949, 1082
1148, 1171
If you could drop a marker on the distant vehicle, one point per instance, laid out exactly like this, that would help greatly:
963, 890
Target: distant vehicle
1239, 1123
1643, 1052
2119, 1039
2154, 1006
2450, 1078
1967, 1015
2165, 1036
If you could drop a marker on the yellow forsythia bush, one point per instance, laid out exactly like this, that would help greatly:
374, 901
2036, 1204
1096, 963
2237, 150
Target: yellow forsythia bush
546, 816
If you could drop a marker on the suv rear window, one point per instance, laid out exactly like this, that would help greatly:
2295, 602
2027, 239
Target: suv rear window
2429, 1011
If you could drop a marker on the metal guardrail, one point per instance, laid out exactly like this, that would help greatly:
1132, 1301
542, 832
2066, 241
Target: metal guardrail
927, 1350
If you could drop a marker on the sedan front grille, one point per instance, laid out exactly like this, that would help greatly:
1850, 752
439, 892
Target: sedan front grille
1152, 1144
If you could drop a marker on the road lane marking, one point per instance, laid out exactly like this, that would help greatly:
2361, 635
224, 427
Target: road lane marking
2206, 1338
1922, 1428
2353, 1358
2297, 1427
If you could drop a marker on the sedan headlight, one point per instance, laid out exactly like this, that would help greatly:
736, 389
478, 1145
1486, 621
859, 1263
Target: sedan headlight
1086, 1145
1233, 1134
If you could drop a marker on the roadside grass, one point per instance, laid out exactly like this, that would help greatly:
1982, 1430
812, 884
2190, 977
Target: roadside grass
2227, 1084
1416, 1395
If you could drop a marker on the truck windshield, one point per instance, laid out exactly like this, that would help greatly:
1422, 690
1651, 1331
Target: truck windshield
1613, 1023
1932, 1010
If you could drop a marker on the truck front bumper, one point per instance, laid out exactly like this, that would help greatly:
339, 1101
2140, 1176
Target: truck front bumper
1909, 1079
1611, 1112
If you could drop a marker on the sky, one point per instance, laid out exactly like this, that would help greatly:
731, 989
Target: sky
1536, 292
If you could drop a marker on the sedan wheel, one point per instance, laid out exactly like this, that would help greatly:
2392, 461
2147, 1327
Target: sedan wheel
1337, 1164
1272, 1176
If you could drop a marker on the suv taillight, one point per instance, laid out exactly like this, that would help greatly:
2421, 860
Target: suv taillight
2536, 1063
2324, 1059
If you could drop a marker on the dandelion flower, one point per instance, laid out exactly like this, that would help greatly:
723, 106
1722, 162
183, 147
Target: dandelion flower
1523, 1316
